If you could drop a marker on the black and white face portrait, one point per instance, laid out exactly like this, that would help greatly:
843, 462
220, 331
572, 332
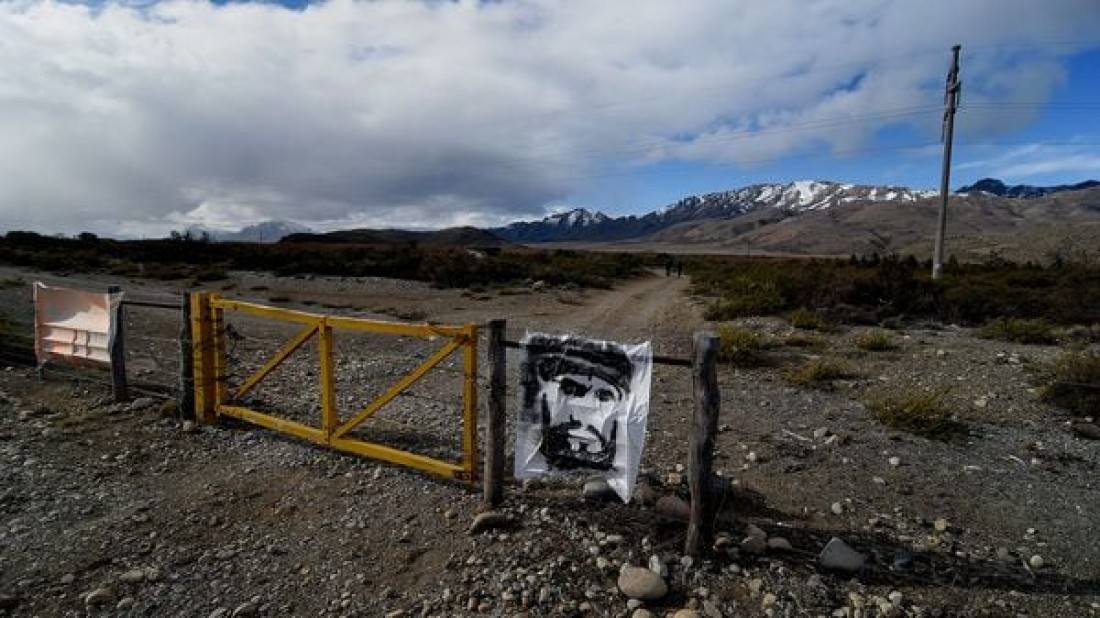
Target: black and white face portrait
580, 407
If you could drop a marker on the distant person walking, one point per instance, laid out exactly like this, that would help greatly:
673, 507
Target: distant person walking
679, 269
668, 268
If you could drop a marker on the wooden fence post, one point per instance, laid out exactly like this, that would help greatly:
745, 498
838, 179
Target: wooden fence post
117, 349
187, 368
494, 435
700, 531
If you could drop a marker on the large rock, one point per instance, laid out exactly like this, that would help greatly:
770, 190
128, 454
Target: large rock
839, 556
674, 507
642, 584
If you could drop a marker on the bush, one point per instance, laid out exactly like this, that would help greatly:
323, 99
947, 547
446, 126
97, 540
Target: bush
817, 373
923, 414
805, 319
13, 282
741, 347
1019, 330
1073, 382
876, 341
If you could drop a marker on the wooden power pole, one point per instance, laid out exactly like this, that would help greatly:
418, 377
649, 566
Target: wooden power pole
951, 103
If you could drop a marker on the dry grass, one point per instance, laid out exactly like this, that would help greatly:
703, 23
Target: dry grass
818, 373
924, 414
1019, 330
876, 341
742, 347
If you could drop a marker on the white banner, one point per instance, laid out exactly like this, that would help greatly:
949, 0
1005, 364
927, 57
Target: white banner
583, 409
73, 326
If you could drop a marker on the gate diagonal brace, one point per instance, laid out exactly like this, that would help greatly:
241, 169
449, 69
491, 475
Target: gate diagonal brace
300, 339
398, 388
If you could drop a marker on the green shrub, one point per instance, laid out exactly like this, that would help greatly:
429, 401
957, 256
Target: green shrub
817, 373
876, 341
806, 319
741, 347
924, 414
1019, 330
1073, 382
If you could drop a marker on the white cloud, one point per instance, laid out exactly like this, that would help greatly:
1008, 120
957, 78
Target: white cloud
429, 114
1037, 160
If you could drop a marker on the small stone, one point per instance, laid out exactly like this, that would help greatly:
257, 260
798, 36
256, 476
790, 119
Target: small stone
840, 556
633, 604
489, 520
895, 597
895, 461
769, 600
642, 584
397, 613
673, 507
220, 612
642, 613
754, 544
837, 508
686, 613
756, 585
658, 566
780, 543
603, 564
153, 574
941, 525
821, 433
100, 596
68, 578
189, 427
132, 576
244, 610
141, 403
1036, 561
125, 603
711, 610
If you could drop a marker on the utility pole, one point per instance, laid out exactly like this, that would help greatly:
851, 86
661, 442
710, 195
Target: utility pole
951, 103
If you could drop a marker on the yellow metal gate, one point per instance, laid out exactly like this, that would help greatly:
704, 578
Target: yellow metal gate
213, 399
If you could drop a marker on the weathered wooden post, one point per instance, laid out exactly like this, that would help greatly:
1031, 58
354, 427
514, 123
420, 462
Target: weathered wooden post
494, 435
187, 369
704, 371
117, 349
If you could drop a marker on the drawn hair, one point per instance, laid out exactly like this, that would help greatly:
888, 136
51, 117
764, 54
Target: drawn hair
548, 357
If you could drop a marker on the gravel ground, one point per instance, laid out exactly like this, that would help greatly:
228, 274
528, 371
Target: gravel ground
125, 509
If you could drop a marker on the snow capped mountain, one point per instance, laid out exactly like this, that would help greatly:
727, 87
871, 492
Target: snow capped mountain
993, 186
787, 198
266, 231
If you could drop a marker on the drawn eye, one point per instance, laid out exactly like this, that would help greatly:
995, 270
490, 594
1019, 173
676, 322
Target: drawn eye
572, 388
605, 395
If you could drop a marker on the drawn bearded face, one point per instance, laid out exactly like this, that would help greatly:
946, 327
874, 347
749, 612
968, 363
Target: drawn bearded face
579, 421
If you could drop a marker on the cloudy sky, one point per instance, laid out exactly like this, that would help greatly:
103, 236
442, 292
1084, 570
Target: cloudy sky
135, 118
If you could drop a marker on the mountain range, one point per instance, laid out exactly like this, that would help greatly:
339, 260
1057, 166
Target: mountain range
800, 218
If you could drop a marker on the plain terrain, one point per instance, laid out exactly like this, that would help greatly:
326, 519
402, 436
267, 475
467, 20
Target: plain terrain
151, 516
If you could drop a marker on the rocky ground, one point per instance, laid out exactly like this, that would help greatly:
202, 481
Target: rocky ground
126, 509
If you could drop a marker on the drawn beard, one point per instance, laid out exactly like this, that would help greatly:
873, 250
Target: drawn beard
565, 450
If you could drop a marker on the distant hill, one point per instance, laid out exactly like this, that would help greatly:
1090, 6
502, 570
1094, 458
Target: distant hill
994, 186
266, 231
456, 237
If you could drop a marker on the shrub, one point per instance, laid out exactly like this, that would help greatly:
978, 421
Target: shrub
922, 413
1073, 382
817, 373
876, 341
741, 347
1019, 330
806, 319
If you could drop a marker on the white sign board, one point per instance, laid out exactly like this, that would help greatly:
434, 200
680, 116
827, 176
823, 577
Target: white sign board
73, 326
583, 409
